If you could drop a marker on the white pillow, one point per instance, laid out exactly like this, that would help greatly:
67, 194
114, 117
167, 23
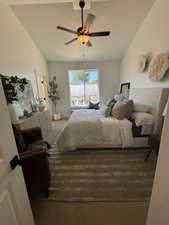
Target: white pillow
142, 118
142, 108
103, 109
109, 101
119, 97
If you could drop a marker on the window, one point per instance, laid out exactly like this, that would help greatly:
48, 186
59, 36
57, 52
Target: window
84, 87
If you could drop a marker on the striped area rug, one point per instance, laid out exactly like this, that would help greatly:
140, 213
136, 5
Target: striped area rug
101, 175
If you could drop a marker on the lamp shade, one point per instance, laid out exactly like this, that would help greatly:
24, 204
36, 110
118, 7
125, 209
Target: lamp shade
83, 39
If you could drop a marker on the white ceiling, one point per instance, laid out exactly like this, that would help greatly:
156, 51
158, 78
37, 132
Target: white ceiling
121, 17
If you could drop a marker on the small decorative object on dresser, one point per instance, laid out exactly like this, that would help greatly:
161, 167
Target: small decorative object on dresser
54, 97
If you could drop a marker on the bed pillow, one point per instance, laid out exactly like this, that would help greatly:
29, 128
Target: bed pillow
94, 105
110, 101
142, 108
123, 109
105, 111
142, 118
119, 97
109, 106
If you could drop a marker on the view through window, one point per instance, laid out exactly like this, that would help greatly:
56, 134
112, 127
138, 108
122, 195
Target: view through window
84, 87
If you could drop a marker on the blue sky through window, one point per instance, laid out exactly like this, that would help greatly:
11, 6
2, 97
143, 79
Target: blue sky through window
81, 93
93, 75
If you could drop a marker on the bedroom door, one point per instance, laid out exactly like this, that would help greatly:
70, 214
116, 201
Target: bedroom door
14, 203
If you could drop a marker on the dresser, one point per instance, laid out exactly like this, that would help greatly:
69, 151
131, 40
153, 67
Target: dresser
39, 119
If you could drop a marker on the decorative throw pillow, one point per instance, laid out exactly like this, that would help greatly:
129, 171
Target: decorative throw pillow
108, 111
119, 97
93, 105
123, 109
109, 101
104, 110
111, 106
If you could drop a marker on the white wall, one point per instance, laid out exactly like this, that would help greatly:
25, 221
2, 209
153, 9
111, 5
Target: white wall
153, 37
159, 204
109, 78
18, 52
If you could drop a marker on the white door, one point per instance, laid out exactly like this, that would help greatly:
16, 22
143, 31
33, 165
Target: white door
14, 204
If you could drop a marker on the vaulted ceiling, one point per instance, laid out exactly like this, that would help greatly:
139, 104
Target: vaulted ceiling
121, 17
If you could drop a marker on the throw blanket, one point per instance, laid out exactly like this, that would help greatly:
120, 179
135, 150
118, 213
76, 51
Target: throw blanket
90, 127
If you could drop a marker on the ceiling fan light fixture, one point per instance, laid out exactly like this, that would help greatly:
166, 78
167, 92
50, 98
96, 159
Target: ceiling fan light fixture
83, 39
82, 32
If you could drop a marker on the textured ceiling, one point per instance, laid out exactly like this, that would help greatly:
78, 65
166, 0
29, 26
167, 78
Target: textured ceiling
121, 17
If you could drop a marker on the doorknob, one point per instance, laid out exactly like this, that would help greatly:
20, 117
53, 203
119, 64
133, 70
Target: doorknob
15, 162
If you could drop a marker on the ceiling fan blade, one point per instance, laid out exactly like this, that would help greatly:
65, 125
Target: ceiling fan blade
99, 34
69, 42
89, 20
89, 44
66, 29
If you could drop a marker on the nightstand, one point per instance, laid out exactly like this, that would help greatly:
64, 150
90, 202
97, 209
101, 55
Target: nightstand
154, 144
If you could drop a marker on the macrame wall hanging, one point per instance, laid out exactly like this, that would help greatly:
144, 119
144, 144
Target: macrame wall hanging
156, 66
143, 63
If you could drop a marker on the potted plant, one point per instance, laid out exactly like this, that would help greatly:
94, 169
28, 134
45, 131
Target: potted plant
11, 84
54, 96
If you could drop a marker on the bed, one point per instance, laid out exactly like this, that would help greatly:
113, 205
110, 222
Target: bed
90, 129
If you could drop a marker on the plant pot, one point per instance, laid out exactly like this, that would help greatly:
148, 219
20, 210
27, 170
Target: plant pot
56, 116
12, 113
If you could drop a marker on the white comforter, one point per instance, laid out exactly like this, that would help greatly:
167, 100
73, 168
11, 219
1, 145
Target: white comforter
90, 127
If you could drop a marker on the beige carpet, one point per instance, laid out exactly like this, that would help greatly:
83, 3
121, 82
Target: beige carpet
96, 213
101, 176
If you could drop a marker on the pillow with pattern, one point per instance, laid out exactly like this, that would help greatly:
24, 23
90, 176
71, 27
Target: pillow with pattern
110, 101
106, 110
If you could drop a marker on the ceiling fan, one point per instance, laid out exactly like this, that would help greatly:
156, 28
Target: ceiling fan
83, 34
